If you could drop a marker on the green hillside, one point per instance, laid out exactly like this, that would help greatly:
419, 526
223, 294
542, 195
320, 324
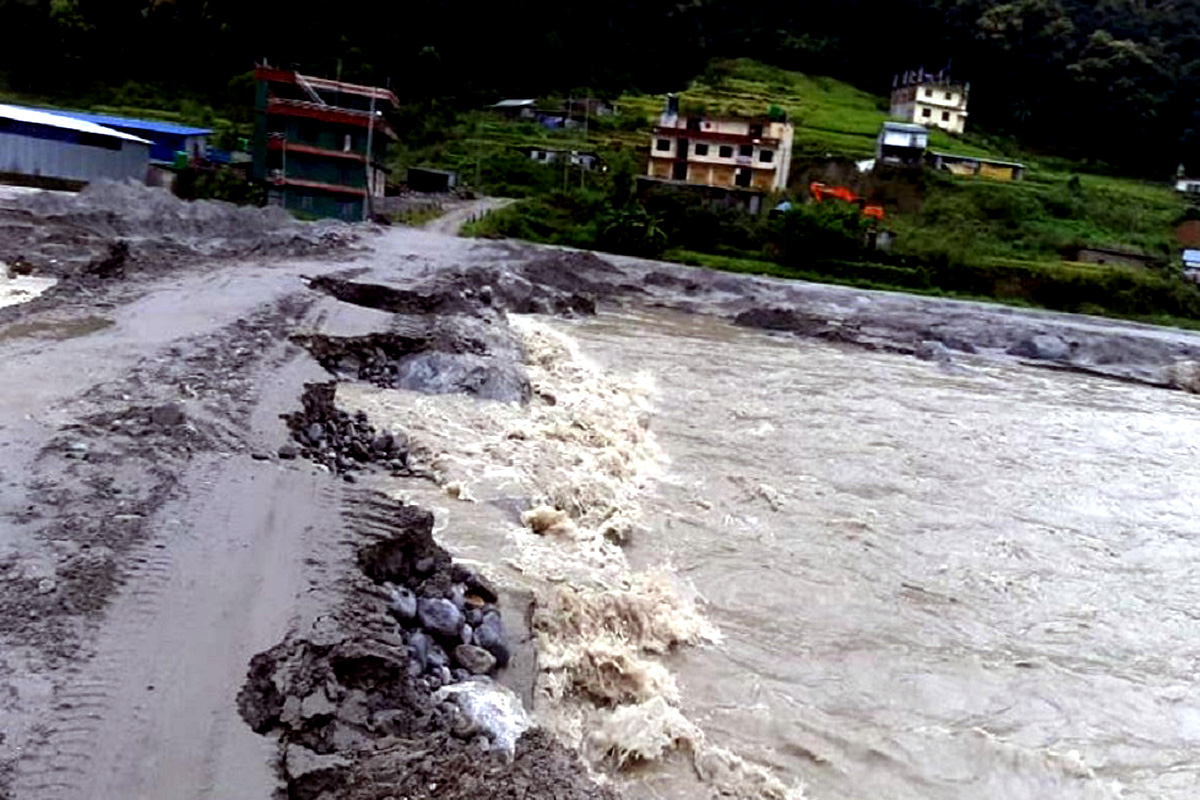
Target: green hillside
966, 236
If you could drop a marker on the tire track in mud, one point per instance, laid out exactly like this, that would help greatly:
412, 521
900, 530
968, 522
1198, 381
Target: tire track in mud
101, 488
151, 715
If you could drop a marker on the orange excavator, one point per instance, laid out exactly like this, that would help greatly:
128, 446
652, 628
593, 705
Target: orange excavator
820, 191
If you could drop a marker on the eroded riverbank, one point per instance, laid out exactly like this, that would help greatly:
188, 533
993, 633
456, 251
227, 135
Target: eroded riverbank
174, 388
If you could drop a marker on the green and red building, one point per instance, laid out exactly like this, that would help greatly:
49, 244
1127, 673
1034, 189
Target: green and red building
321, 145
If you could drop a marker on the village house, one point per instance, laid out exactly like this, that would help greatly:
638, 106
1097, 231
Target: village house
516, 108
424, 179
1188, 186
1111, 254
167, 139
752, 155
1191, 265
976, 166
901, 144
930, 100
577, 158
321, 145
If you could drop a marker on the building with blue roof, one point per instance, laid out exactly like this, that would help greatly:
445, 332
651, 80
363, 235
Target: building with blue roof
166, 138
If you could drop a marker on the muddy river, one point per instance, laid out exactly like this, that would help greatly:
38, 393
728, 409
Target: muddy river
929, 585
925, 581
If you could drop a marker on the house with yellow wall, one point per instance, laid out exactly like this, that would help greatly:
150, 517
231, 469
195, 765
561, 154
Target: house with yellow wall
735, 153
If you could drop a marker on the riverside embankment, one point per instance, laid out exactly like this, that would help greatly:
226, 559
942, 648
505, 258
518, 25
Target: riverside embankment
166, 527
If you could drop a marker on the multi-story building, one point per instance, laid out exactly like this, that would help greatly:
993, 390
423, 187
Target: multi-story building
729, 153
321, 145
930, 100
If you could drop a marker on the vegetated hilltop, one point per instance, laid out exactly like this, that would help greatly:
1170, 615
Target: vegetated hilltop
1113, 81
963, 236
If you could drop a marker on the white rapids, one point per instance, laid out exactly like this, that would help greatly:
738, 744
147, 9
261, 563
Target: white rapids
773, 568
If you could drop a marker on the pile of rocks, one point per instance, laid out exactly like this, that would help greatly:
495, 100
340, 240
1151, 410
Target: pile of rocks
450, 636
359, 703
447, 614
341, 442
473, 356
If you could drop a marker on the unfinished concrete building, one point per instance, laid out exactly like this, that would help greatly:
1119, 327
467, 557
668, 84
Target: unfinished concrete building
321, 145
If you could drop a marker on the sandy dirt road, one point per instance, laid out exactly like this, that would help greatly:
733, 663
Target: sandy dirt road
453, 220
136, 699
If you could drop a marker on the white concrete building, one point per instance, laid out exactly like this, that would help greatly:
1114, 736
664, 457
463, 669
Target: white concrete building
932, 103
1189, 186
42, 146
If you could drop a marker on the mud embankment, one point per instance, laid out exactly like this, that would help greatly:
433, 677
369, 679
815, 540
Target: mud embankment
944, 331
393, 692
359, 707
112, 232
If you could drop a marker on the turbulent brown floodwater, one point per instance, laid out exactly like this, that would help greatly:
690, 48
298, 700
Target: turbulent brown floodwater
927, 584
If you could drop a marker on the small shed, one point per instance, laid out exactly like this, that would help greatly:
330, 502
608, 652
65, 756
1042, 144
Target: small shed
1191, 265
576, 158
1122, 256
423, 179
901, 143
41, 148
167, 138
516, 108
1188, 186
976, 166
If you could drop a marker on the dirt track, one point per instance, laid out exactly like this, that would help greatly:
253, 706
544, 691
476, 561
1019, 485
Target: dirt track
452, 221
153, 542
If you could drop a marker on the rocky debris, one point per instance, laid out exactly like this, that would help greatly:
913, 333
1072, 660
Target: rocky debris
341, 442
474, 659
433, 355
474, 292
575, 271
933, 351
169, 414
111, 229
439, 604
111, 265
798, 322
440, 616
1184, 375
490, 708
311, 774
17, 267
1043, 347
392, 701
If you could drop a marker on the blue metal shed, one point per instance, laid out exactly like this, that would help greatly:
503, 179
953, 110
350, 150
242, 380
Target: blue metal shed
167, 138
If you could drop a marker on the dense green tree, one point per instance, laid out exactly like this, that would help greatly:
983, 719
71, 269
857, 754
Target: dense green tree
1116, 80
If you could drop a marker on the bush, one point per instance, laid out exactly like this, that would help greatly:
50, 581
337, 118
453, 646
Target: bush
222, 183
818, 231
633, 231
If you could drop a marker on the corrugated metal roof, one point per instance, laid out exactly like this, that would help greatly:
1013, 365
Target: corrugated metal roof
514, 103
35, 117
152, 126
904, 126
980, 159
1191, 255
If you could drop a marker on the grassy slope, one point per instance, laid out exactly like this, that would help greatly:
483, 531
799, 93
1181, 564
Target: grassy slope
966, 216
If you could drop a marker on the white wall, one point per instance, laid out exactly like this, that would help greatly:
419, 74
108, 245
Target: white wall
26, 155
